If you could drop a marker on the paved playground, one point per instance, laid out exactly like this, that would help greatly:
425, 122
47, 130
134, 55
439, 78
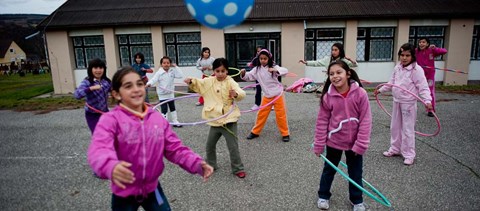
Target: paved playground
43, 162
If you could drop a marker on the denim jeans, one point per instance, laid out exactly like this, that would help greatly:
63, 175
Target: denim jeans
354, 163
132, 203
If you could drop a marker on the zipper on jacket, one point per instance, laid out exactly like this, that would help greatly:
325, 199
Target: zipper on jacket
144, 150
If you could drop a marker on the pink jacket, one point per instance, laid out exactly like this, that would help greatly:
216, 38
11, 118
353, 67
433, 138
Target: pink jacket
122, 136
410, 78
271, 87
344, 123
426, 58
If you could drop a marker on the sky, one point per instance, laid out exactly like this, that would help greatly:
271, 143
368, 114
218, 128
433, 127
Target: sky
44, 7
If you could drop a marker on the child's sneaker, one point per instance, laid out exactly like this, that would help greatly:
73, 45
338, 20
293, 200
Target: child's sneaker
255, 107
408, 161
389, 154
322, 204
359, 207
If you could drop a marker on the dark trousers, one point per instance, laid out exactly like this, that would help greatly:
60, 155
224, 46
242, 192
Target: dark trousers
132, 203
258, 94
164, 107
92, 120
354, 163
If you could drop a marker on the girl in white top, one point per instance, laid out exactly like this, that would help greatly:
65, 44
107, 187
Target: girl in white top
164, 78
338, 53
204, 64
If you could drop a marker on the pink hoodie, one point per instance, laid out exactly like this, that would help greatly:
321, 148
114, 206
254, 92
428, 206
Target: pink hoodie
410, 78
426, 57
122, 136
344, 123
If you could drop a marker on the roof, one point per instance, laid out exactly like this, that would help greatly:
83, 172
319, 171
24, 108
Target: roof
94, 13
4, 46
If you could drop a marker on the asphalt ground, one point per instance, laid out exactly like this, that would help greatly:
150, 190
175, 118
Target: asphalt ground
43, 162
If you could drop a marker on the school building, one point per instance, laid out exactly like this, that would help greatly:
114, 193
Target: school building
371, 31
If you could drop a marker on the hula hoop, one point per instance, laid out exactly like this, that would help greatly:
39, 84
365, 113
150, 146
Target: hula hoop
94, 109
384, 201
264, 106
414, 95
195, 123
236, 74
446, 69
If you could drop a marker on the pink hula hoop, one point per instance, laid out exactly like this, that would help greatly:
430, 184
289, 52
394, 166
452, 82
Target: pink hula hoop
418, 98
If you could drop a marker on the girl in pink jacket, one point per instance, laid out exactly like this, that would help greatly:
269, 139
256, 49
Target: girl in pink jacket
129, 144
426, 54
344, 124
409, 75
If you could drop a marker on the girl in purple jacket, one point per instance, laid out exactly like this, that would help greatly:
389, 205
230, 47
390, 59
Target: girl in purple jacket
408, 75
129, 144
343, 125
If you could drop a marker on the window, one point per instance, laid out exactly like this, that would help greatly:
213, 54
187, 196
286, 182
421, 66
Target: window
475, 53
183, 48
318, 42
129, 45
436, 35
88, 48
375, 44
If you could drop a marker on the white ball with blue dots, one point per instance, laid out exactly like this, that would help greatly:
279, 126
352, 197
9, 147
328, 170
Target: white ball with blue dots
219, 14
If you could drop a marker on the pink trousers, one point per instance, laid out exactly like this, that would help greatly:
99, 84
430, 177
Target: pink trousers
402, 129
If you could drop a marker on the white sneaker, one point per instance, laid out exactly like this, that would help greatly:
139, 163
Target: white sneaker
254, 107
359, 207
322, 204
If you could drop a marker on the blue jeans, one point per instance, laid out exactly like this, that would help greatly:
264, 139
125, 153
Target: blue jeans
132, 203
354, 163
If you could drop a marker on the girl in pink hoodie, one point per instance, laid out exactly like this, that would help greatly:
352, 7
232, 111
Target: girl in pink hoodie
129, 144
408, 75
426, 54
344, 124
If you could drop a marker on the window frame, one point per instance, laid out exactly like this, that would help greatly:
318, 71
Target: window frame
177, 44
475, 49
316, 39
84, 47
368, 38
129, 45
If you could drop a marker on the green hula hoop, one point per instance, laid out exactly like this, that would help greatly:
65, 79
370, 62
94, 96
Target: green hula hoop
384, 201
236, 74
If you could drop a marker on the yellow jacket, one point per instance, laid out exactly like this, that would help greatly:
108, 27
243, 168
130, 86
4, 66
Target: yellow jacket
217, 101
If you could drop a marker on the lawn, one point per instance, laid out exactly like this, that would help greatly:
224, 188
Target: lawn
17, 93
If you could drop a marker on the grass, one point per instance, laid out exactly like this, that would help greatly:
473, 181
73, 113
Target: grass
17, 93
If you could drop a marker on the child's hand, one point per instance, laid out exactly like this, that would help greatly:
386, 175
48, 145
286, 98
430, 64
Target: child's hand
429, 107
143, 69
188, 80
302, 61
376, 92
207, 171
232, 93
173, 64
432, 46
96, 87
121, 174
271, 69
242, 72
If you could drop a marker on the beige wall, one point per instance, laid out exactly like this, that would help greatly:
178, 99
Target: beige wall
112, 55
157, 45
17, 55
214, 39
402, 35
62, 61
459, 42
292, 50
350, 44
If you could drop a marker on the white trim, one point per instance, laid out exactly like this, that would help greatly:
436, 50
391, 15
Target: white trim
326, 24
429, 22
378, 23
133, 30
85, 32
181, 28
255, 28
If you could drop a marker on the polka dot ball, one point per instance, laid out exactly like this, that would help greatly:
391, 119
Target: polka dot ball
219, 14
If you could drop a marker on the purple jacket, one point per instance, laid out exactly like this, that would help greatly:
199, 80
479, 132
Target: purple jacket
122, 136
98, 99
426, 58
410, 78
344, 123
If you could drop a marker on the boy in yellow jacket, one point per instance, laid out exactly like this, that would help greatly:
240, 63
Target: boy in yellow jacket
219, 93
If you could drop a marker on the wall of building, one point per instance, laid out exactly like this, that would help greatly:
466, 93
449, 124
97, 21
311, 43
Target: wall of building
16, 56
